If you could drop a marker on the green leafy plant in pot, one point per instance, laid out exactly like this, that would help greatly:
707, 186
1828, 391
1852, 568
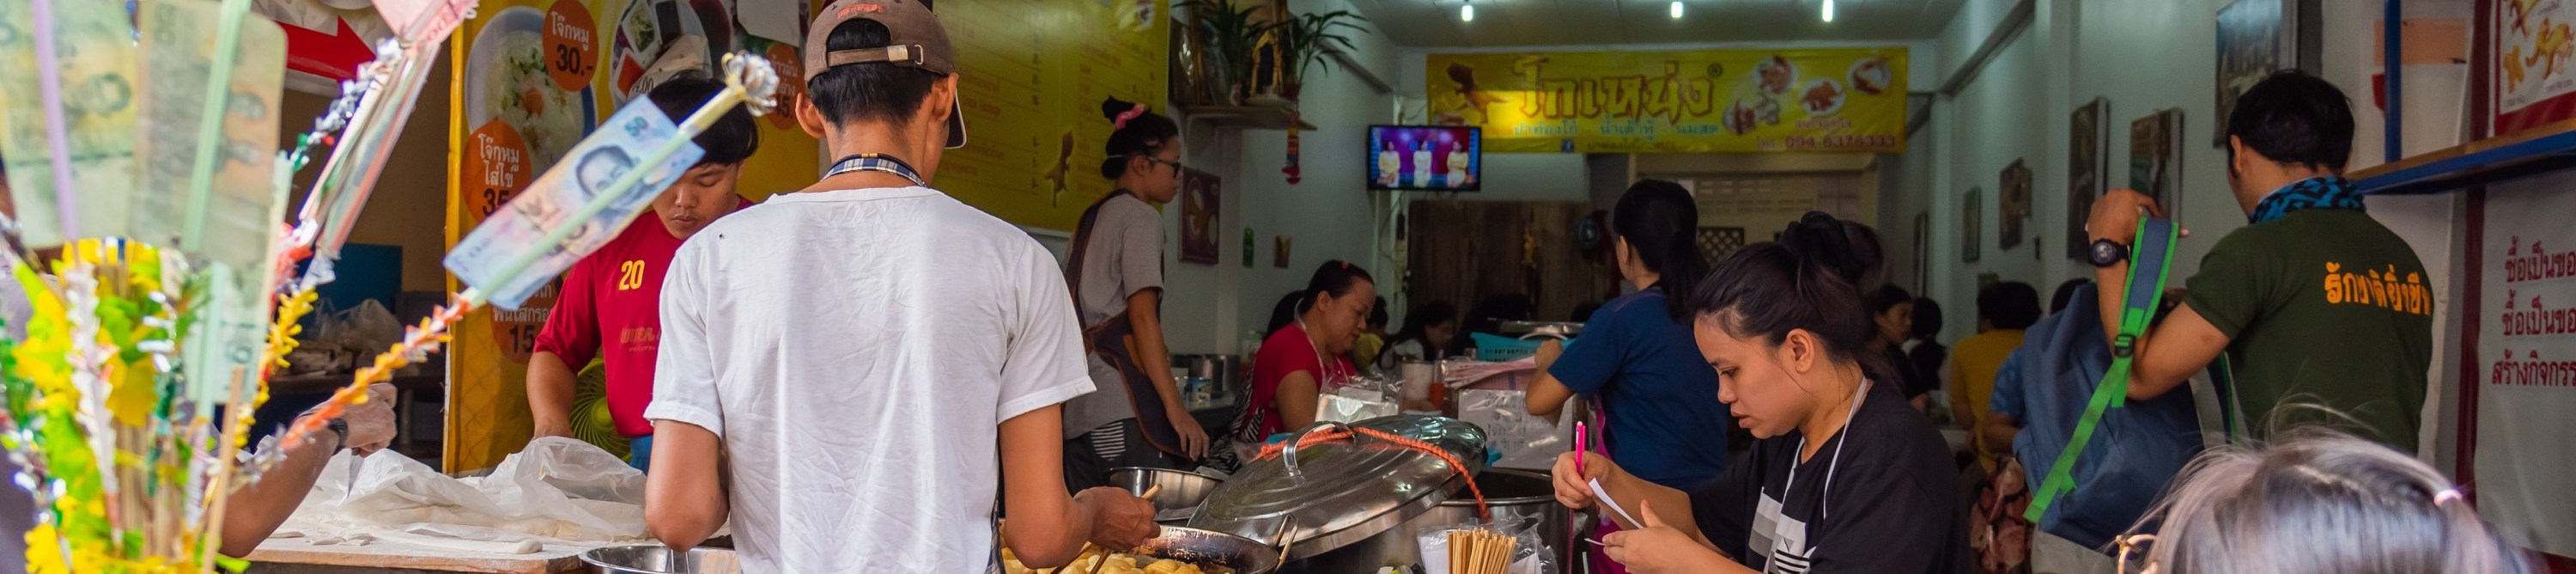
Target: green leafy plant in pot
1307, 39
1230, 38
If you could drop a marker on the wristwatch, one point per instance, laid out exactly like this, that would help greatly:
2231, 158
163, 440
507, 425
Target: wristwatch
2106, 253
339, 427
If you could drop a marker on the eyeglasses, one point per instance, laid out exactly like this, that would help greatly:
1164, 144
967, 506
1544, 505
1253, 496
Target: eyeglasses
1176, 166
2134, 550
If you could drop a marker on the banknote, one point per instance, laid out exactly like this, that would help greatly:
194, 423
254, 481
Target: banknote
235, 221
556, 198
94, 51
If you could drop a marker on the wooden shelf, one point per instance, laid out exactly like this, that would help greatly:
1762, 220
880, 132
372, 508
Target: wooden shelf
1253, 116
2517, 155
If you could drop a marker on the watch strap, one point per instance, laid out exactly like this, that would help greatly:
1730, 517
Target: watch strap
340, 428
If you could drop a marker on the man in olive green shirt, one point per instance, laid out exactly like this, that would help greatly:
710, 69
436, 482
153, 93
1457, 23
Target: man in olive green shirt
2315, 302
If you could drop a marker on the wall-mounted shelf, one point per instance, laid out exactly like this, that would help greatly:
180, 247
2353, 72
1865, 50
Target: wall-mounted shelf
1266, 117
2512, 156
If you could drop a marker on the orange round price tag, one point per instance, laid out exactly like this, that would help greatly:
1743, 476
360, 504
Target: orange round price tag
496, 167
572, 45
514, 331
791, 85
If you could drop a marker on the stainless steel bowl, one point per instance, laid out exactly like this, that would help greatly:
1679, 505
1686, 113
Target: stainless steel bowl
658, 559
1182, 491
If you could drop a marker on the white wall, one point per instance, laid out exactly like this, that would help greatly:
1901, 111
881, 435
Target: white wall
1328, 214
2141, 56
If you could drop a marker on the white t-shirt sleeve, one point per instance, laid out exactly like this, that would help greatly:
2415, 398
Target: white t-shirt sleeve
1042, 360
684, 366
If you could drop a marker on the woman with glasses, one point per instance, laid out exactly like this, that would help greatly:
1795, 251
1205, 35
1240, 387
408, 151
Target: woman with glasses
1115, 269
1843, 476
2318, 503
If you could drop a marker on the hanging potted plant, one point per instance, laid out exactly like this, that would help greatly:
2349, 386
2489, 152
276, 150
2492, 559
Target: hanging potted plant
1306, 39
1231, 37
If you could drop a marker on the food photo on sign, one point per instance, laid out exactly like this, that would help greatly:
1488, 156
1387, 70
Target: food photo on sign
1849, 99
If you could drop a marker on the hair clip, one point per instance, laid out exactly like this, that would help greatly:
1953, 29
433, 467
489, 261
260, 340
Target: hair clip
2447, 496
1131, 113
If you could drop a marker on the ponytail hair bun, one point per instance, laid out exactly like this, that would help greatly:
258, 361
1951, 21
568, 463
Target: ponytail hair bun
1659, 220
1801, 282
1821, 240
1135, 131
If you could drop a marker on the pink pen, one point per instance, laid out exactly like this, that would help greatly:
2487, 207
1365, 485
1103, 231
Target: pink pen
1582, 446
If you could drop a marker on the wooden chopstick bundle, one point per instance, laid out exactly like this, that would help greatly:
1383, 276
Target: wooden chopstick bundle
1480, 551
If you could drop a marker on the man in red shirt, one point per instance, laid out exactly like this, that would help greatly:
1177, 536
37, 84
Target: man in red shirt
609, 307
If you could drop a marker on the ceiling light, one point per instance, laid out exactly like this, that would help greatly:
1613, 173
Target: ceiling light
1467, 13
1677, 10
1829, 10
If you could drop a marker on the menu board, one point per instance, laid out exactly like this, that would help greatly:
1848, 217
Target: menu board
2526, 361
535, 76
1817, 100
1032, 75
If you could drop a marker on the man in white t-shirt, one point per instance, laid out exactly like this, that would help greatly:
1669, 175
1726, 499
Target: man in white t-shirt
840, 366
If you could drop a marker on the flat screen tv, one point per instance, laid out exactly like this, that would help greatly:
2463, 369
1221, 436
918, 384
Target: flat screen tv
1425, 158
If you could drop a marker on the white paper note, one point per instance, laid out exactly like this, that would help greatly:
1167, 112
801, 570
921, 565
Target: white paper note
1604, 497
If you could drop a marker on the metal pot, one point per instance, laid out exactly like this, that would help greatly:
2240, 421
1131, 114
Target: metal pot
1177, 501
658, 559
1347, 499
1511, 496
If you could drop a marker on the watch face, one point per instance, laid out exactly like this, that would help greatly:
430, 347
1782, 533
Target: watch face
2105, 253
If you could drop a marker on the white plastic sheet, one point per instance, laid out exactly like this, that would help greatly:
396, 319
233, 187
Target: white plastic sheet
557, 490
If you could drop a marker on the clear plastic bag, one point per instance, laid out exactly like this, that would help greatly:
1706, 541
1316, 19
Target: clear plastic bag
558, 489
1358, 399
1530, 556
367, 328
1527, 441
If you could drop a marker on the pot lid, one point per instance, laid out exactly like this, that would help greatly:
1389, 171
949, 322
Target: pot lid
1363, 482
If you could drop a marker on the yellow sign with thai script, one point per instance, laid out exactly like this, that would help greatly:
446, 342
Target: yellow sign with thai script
1823, 100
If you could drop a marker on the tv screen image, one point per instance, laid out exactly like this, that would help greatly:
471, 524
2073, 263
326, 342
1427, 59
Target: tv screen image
1425, 158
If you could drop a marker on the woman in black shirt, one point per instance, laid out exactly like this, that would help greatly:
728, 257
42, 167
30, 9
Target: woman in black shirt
1844, 477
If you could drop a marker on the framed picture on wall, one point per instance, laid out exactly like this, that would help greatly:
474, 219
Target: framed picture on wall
2155, 157
1972, 222
1199, 197
2087, 171
2013, 202
2256, 38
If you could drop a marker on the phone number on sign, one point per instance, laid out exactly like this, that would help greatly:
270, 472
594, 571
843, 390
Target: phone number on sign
1841, 142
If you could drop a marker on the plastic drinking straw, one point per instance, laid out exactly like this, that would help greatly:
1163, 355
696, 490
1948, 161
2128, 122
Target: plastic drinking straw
210, 126
49, 84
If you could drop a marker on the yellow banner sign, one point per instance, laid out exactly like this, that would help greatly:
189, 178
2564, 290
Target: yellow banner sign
1826, 100
1033, 74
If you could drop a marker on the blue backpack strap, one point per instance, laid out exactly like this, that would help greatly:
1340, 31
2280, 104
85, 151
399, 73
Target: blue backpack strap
2148, 264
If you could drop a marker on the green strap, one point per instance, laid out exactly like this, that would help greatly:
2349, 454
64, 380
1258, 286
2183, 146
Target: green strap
2148, 265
